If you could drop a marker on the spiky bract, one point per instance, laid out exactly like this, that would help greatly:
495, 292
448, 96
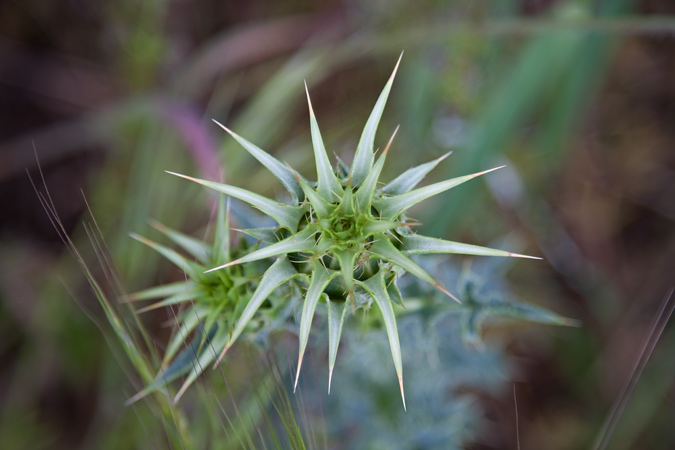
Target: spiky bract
345, 235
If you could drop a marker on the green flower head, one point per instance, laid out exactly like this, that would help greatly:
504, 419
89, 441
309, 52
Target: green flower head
346, 236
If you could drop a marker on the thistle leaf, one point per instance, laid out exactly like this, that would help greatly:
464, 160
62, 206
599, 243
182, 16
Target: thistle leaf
193, 246
320, 279
411, 177
375, 286
328, 185
301, 242
384, 249
287, 216
278, 273
365, 193
190, 268
363, 159
275, 166
393, 206
337, 311
414, 244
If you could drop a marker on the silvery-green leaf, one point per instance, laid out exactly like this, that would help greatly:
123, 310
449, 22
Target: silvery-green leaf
384, 249
337, 311
375, 286
525, 311
192, 269
393, 206
363, 159
411, 177
286, 215
319, 280
414, 244
301, 242
275, 166
193, 246
328, 185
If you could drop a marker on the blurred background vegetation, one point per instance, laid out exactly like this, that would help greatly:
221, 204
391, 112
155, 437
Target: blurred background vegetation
576, 97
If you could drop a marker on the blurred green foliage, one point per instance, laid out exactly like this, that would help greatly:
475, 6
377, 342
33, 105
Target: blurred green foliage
575, 95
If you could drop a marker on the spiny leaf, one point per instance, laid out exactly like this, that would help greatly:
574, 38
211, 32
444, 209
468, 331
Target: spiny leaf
301, 242
365, 193
288, 216
278, 273
414, 244
393, 206
319, 280
384, 249
193, 246
192, 269
411, 177
363, 159
275, 166
337, 311
375, 286
328, 185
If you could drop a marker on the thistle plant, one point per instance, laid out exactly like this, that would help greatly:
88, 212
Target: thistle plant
345, 236
213, 300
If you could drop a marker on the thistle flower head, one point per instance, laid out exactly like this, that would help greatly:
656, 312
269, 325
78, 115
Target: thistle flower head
346, 234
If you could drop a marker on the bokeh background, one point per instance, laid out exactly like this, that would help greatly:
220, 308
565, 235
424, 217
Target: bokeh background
576, 97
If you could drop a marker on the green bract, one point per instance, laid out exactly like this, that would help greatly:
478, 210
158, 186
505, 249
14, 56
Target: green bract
346, 235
